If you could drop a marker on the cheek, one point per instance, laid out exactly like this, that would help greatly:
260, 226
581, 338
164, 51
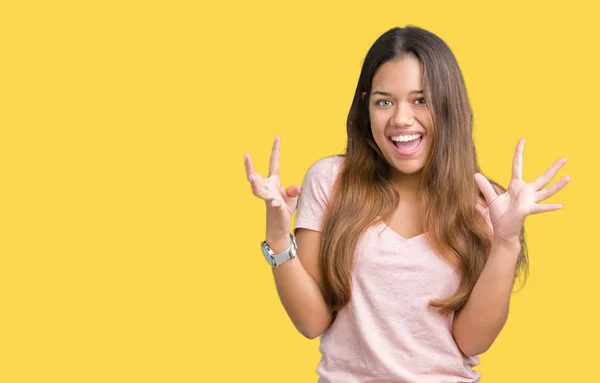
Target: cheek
426, 120
377, 123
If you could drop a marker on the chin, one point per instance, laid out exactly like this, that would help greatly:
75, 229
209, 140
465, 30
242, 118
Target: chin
407, 169
408, 172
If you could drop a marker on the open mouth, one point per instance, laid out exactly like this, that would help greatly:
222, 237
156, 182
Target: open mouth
407, 145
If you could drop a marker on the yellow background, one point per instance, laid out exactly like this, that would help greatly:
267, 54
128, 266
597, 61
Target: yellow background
129, 238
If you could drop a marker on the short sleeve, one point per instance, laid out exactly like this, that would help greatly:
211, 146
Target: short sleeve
316, 190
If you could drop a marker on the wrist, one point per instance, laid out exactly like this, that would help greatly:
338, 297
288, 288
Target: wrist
278, 243
507, 242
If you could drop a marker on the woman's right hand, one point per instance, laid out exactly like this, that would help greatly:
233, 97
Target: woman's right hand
280, 202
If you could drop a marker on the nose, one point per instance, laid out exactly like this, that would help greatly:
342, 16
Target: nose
403, 115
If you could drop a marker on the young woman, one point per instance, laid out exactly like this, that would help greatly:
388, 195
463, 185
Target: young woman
406, 253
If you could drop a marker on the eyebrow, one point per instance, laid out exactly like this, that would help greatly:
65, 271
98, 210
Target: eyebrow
419, 91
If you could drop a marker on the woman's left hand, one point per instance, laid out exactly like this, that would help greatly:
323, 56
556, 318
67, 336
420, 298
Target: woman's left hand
509, 210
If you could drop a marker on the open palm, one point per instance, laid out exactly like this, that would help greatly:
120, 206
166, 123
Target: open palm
509, 209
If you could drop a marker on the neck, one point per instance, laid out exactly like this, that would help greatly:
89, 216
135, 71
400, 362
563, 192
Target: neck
407, 185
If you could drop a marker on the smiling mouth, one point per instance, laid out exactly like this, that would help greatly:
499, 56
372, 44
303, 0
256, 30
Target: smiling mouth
407, 145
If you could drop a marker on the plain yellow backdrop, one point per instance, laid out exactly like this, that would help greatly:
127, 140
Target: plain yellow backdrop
129, 238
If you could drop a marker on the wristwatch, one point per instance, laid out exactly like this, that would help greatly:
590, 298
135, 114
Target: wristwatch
277, 259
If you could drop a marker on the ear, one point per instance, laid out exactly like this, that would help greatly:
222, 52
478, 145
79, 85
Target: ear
363, 95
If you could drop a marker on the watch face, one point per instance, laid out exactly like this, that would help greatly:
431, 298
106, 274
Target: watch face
266, 253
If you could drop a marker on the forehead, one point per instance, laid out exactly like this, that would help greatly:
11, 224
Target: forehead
399, 76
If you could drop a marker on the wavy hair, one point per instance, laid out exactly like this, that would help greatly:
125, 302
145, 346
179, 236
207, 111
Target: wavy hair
363, 195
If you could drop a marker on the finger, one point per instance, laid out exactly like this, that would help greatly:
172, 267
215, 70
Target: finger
545, 178
278, 204
517, 169
274, 161
262, 189
543, 195
258, 186
543, 208
249, 167
486, 188
290, 195
293, 191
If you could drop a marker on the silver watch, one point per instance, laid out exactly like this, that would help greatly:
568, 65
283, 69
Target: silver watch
277, 259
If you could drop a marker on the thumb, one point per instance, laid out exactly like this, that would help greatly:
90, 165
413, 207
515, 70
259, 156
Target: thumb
486, 188
293, 191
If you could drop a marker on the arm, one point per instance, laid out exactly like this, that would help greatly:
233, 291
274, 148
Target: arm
481, 319
300, 285
299, 281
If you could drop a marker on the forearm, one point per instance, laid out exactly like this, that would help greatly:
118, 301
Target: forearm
301, 297
479, 322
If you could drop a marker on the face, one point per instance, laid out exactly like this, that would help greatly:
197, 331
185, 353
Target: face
401, 122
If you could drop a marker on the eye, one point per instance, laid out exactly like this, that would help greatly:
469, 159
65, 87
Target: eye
378, 103
420, 101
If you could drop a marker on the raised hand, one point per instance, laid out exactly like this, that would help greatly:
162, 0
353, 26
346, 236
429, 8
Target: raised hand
509, 210
280, 202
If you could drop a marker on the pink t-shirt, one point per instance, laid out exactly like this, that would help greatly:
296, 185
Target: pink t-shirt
388, 332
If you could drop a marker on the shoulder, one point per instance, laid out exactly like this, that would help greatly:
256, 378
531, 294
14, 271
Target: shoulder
328, 166
316, 191
324, 170
317, 186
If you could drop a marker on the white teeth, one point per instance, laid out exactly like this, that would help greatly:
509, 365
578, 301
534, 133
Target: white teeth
406, 138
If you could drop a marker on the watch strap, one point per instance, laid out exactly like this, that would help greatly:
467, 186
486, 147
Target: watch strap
277, 259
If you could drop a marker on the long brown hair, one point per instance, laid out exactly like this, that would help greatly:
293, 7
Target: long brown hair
363, 194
